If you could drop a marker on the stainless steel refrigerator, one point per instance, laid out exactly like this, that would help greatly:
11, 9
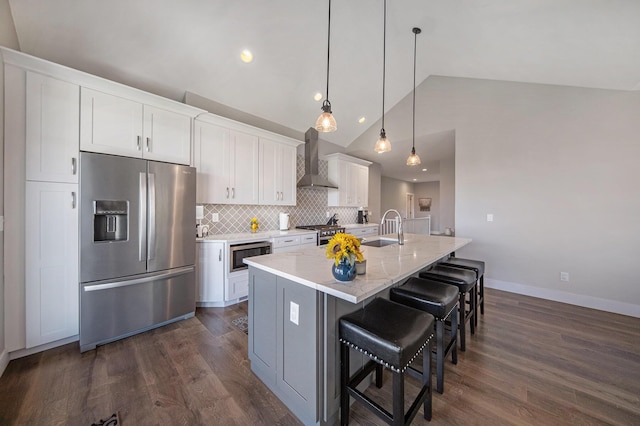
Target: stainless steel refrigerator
137, 246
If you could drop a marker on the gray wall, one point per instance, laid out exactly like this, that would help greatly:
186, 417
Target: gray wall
557, 167
429, 190
8, 38
394, 195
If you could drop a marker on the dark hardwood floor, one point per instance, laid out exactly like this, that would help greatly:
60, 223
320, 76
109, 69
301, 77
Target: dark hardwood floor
530, 362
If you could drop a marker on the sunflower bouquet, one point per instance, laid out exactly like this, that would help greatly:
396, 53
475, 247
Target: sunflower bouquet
344, 247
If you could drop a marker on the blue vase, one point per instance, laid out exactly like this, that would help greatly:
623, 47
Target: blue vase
344, 271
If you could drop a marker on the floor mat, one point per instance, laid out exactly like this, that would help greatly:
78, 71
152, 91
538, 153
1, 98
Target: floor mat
241, 324
114, 420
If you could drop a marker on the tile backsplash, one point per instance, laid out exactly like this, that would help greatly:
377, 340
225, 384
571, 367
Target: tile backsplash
311, 209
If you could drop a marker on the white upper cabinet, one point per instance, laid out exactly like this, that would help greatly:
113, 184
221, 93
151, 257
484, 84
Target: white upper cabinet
112, 124
227, 164
52, 123
241, 164
352, 177
277, 173
167, 136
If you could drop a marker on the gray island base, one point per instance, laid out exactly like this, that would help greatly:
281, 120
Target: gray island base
294, 306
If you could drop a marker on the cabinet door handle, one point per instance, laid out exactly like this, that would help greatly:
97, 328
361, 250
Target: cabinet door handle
220, 256
138, 142
227, 192
288, 241
73, 200
148, 144
74, 167
233, 193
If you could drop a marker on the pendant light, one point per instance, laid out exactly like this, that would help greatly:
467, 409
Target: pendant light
383, 144
326, 122
413, 159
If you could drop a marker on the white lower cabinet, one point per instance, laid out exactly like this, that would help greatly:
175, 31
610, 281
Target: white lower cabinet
362, 231
210, 271
293, 242
51, 253
216, 286
237, 286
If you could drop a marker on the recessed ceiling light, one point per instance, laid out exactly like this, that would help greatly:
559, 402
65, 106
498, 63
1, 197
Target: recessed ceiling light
246, 56
362, 120
424, 170
415, 180
317, 97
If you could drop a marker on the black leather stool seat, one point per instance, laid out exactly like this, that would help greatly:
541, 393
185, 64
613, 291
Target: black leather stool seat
390, 333
464, 280
440, 300
473, 265
430, 296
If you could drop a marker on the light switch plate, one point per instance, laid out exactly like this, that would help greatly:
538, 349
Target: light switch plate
215, 217
490, 217
294, 313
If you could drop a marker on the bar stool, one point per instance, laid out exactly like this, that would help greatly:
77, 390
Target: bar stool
466, 283
392, 335
441, 301
473, 265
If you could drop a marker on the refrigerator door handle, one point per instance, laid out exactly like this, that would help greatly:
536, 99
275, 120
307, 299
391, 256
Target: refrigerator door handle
126, 282
142, 218
151, 250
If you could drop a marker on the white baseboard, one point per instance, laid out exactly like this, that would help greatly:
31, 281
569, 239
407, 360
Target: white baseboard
565, 297
4, 361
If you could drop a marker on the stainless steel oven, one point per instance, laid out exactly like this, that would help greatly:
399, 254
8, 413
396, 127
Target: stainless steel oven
237, 252
325, 232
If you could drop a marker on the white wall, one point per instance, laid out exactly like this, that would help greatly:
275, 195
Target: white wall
558, 168
8, 38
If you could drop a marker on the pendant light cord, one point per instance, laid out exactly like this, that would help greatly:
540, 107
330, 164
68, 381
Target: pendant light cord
329, 49
384, 58
415, 43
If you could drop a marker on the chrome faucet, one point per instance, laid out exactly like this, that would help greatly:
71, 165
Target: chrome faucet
400, 232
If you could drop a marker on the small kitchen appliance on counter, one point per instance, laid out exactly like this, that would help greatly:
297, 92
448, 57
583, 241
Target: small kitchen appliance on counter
284, 221
360, 215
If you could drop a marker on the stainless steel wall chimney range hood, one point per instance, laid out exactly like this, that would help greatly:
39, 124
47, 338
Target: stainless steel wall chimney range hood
312, 178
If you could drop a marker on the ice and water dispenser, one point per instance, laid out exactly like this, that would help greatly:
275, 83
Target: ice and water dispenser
110, 220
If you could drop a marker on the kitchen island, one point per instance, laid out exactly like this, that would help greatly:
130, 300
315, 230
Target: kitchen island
294, 306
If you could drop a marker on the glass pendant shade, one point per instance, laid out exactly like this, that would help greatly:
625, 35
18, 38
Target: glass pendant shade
326, 122
383, 144
413, 159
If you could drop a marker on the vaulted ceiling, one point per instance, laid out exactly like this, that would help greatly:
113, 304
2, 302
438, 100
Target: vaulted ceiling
170, 47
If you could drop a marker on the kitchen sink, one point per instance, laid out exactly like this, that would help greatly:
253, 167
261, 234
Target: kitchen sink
379, 243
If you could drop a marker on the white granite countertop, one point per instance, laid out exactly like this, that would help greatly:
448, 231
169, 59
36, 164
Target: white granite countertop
248, 237
385, 265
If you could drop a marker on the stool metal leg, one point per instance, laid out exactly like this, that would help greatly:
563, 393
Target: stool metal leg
482, 294
472, 309
344, 380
